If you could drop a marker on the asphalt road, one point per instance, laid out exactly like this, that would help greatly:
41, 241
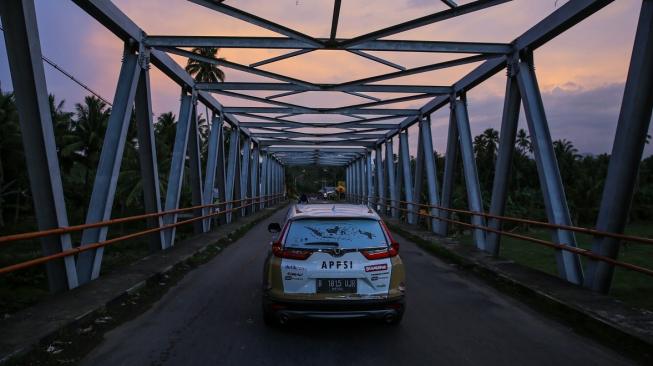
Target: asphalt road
213, 317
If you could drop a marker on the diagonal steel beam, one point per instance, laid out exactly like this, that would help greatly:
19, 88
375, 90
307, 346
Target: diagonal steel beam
279, 58
377, 59
413, 71
361, 95
285, 94
111, 17
256, 20
268, 101
334, 19
239, 67
387, 101
425, 20
106, 177
565, 17
450, 3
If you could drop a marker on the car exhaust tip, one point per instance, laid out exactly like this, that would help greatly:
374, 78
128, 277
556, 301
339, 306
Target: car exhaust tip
389, 318
283, 319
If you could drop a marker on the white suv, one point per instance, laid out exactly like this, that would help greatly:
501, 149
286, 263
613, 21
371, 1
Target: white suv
333, 261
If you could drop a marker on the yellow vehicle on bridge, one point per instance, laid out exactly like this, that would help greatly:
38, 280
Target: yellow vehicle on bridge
333, 261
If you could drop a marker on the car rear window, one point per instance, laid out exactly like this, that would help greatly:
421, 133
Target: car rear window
341, 233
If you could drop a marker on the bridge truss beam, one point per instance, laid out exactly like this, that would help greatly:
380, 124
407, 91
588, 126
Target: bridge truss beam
273, 137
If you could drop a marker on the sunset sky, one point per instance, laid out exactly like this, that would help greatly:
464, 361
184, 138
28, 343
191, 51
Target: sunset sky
581, 73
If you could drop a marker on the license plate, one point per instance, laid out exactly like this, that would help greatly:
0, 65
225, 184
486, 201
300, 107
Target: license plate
337, 285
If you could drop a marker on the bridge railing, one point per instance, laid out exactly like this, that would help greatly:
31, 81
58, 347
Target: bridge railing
223, 209
444, 211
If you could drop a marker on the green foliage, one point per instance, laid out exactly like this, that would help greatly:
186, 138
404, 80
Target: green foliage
583, 177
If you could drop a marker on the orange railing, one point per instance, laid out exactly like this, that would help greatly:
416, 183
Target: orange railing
580, 251
244, 203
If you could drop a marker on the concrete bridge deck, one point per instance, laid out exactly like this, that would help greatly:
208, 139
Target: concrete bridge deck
212, 316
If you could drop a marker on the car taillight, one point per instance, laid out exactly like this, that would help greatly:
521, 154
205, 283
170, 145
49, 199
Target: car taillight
300, 254
391, 251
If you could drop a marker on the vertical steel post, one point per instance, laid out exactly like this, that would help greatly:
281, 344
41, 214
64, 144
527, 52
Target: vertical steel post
268, 181
354, 185
346, 182
627, 150
264, 179
392, 186
212, 166
501, 180
254, 175
404, 157
237, 176
147, 155
431, 172
221, 177
362, 189
418, 175
244, 175
370, 182
547, 168
399, 185
352, 195
474, 199
360, 178
26, 66
273, 179
278, 182
380, 182
177, 162
282, 182
450, 163
234, 151
195, 167
106, 178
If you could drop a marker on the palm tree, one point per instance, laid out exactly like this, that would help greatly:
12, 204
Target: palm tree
523, 142
62, 123
85, 141
204, 72
164, 132
11, 154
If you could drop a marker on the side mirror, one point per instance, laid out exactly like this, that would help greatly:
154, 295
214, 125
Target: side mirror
274, 227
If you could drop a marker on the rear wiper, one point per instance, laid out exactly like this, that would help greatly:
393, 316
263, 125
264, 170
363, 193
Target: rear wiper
327, 243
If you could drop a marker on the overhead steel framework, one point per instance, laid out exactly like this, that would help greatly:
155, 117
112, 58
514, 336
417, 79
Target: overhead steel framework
264, 139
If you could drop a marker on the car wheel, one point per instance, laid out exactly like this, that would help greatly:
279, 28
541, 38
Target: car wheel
269, 319
394, 320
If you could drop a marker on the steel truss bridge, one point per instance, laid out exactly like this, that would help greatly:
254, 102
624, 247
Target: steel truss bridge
264, 140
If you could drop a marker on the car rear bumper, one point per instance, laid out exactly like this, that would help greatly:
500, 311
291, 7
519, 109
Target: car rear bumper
335, 309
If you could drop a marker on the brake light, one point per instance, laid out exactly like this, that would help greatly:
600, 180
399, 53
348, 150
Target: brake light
278, 251
296, 254
391, 251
